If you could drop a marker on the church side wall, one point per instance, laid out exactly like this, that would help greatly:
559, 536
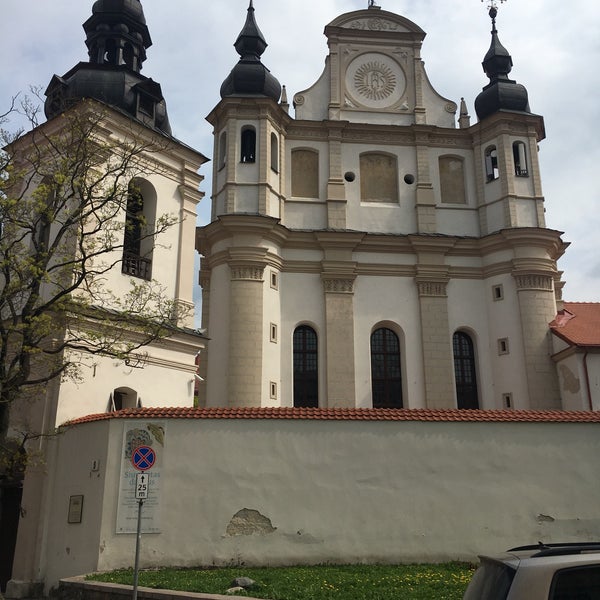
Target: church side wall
280, 492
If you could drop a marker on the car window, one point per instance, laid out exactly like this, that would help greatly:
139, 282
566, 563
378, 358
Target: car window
578, 583
491, 581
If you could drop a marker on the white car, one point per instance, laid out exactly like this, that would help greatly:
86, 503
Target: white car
542, 572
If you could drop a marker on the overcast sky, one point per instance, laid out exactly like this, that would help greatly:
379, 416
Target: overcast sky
555, 46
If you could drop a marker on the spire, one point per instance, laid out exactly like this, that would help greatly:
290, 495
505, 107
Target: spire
250, 43
250, 76
116, 38
501, 93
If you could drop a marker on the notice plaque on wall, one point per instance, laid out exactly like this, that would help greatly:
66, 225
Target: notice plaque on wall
75, 509
148, 436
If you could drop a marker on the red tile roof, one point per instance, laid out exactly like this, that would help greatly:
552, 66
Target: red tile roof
578, 324
348, 414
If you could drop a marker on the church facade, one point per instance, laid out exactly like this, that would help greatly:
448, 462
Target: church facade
377, 249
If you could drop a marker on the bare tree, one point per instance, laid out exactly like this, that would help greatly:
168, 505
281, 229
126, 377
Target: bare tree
67, 211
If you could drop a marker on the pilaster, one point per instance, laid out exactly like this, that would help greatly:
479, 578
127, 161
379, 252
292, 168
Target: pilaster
537, 307
339, 316
435, 338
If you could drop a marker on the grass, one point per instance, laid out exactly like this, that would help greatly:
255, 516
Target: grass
360, 582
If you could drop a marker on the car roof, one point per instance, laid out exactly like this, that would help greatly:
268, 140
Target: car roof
565, 554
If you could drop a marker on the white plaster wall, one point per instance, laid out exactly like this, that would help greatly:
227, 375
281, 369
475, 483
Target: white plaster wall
572, 381
399, 218
442, 491
504, 321
75, 547
593, 370
391, 302
171, 384
271, 365
307, 214
437, 106
467, 312
526, 210
303, 300
315, 100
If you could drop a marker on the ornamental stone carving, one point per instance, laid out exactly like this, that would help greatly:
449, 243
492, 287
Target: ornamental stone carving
375, 80
338, 286
246, 273
432, 288
534, 281
375, 24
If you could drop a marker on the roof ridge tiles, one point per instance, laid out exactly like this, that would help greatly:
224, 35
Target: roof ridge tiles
345, 414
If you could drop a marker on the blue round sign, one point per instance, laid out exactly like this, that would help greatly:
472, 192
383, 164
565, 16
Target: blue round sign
143, 458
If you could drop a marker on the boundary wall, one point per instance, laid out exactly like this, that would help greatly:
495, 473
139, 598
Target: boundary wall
261, 486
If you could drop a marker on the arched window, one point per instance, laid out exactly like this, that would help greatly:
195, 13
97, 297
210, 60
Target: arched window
452, 179
138, 240
491, 163
222, 149
306, 365
274, 153
248, 143
110, 52
386, 370
520, 159
305, 173
124, 397
464, 371
378, 177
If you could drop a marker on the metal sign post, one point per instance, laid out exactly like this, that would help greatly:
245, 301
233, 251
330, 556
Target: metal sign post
142, 459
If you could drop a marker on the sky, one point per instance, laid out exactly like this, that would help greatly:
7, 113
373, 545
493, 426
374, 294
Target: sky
555, 47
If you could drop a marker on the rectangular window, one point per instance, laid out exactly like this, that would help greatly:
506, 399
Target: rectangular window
273, 390
498, 292
274, 280
273, 329
507, 401
503, 346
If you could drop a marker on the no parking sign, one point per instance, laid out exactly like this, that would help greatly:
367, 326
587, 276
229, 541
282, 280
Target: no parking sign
143, 458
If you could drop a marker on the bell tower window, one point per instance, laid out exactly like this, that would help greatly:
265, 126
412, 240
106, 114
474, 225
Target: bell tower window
248, 145
491, 163
520, 159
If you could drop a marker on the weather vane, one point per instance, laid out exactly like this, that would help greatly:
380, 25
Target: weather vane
372, 4
493, 3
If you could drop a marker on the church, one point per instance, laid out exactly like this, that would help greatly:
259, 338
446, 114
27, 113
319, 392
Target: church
376, 249
372, 254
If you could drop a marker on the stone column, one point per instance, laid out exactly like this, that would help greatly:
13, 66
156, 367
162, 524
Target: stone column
339, 316
245, 334
537, 306
438, 362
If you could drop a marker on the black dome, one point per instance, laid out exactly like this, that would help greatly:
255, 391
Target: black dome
250, 77
131, 8
501, 93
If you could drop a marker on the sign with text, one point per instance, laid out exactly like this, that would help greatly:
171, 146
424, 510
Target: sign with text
142, 454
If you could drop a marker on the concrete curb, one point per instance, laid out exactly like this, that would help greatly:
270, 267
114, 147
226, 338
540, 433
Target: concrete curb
76, 588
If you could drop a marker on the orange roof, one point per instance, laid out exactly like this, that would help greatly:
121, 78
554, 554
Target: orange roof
578, 324
348, 414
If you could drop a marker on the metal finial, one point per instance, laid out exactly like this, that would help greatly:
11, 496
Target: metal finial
493, 4
372, 4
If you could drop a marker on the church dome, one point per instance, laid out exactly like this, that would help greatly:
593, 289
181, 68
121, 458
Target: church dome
131, 8
501, 93
117, 38
250, 77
